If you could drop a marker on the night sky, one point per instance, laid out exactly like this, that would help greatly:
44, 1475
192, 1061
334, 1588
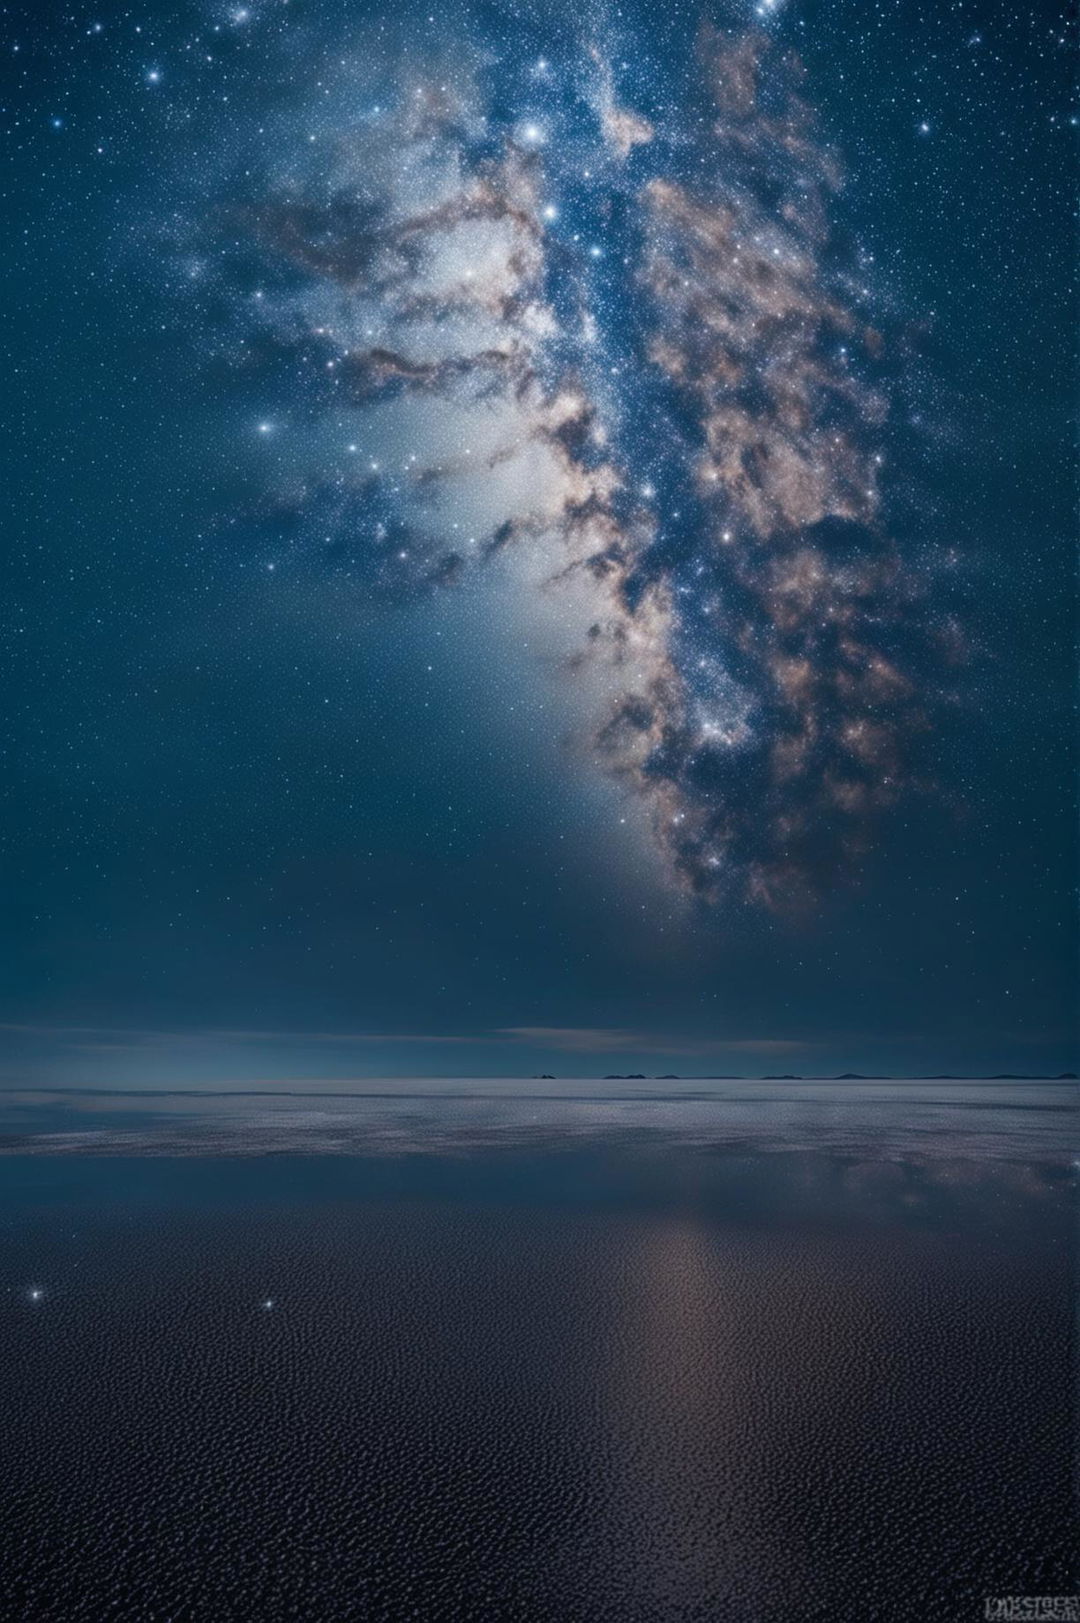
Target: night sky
540, 539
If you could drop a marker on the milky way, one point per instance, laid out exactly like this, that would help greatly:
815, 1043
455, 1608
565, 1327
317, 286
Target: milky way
568, 303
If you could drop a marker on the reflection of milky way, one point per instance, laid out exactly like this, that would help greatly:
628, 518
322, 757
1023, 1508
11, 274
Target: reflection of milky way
628, 336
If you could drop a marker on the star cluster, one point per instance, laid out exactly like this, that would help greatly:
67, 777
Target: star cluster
603, 314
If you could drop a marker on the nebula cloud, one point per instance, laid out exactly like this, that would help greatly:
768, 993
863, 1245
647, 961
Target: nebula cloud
630, 336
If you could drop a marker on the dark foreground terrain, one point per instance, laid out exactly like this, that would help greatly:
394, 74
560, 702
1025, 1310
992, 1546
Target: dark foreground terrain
774, 1357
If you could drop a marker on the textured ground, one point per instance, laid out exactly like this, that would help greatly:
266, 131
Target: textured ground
616, 1381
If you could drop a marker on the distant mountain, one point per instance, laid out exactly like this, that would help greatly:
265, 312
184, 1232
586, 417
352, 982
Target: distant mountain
1004, 1076
787, 1077
1032, 1076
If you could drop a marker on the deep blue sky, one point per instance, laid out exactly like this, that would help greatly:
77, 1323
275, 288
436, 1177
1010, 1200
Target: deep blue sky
264, 828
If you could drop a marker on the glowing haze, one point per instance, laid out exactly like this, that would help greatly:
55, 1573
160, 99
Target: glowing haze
627, 337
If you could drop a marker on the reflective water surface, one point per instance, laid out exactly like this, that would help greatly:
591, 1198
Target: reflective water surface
758, 1351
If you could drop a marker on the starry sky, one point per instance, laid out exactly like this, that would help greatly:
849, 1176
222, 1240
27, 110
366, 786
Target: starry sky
541, 538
